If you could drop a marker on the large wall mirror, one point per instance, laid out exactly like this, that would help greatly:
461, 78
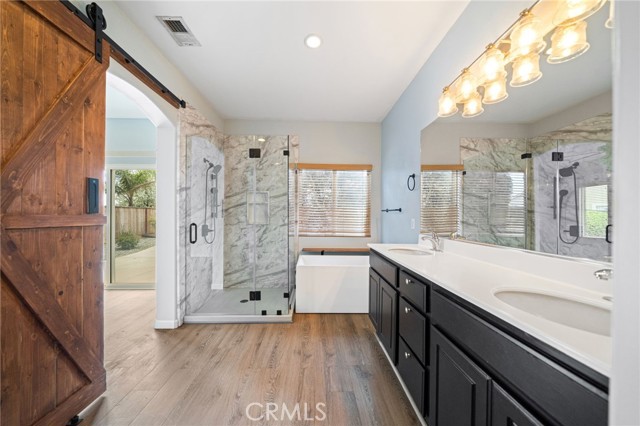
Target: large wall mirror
534, 171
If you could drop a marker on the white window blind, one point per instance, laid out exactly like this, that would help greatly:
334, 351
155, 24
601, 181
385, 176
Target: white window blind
495, 202
334, 202
440, 200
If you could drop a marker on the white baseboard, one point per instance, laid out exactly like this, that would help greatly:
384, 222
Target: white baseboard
166, 324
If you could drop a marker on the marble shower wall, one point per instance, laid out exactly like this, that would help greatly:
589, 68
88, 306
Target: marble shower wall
200, 264
256, 213
485, 160
587, 143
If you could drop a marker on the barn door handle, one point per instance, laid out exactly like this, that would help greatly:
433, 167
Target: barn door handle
193, 233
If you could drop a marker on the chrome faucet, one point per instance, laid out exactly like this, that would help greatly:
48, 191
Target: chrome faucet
604, 274
435, 240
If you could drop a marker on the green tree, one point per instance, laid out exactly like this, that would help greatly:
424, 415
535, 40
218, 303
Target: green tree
135, 188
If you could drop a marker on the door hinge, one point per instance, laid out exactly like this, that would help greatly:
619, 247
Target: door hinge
255, 295
525, 155
557, 156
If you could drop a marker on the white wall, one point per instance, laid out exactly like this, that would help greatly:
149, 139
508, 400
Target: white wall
418, 106
624, 408
323, 142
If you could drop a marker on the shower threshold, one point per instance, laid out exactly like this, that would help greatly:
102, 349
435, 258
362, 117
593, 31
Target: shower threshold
230, 305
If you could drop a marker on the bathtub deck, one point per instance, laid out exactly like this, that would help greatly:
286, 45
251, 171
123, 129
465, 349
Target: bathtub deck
206, 374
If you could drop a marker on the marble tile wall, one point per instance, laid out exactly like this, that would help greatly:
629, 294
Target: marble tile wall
266, 241
200, 265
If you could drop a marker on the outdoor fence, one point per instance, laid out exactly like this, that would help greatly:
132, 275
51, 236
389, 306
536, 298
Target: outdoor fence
139, 221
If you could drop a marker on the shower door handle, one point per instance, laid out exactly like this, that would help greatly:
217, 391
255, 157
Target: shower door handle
193, 233
607, 237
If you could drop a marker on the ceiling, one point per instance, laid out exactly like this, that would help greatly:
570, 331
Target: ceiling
253, 63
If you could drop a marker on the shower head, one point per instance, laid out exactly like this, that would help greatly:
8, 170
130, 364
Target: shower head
568, 171
216, 169
564, 193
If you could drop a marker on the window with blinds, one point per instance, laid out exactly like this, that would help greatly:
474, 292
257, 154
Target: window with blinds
494, 203
440, 192
332, 203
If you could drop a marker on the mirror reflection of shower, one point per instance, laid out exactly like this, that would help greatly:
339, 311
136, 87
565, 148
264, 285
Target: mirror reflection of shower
210, 201
573, 229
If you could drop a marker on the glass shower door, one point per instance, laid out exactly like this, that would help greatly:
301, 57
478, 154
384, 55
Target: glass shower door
268, 214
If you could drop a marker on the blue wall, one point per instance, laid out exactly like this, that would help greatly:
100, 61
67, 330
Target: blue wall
135, 135
480, 23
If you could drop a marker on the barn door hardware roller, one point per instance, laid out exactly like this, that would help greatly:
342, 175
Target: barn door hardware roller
94, 12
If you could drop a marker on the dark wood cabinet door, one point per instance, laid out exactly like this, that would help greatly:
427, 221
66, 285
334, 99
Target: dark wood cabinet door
52, 125
374, 294
506, 411
388, 328
459, 389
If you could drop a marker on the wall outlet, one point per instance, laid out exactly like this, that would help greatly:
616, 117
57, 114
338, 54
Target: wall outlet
413, 223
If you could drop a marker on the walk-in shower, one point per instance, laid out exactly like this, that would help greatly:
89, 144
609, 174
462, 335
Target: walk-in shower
237, 250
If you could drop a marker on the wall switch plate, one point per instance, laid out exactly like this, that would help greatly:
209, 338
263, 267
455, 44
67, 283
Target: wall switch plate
413, 223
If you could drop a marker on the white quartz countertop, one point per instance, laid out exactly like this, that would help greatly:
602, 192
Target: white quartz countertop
476, 281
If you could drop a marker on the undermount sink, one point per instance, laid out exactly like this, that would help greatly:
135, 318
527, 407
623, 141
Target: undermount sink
411, 250
560, 309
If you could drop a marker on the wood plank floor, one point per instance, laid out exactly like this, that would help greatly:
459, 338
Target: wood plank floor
207, 374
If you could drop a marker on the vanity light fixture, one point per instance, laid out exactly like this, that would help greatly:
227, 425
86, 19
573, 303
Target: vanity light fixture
312, 41
568, 42
484, 81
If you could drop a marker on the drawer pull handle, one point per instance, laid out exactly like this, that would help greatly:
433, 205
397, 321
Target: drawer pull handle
407, 281
407, 355
407, 310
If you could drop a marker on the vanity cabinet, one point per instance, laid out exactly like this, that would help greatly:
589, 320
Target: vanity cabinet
383, 302
527, 386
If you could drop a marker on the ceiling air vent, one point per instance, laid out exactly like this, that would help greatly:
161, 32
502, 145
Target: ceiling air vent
179, 30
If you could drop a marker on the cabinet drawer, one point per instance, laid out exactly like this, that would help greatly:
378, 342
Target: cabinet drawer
413, 374
386, 269
413, 328
547, 387
415, 291
505, 411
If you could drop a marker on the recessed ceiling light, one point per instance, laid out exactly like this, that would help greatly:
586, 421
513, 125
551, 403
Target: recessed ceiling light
313, 41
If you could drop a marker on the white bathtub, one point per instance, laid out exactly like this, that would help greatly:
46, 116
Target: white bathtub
332, 284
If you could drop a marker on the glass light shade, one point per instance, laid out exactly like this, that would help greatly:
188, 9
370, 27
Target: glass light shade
571, 11
526, 36
496, 91
447, 104
492, 64
526, 70
466, 86
473, 106
568, 43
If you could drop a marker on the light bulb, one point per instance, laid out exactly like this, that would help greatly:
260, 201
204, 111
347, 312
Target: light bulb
526, 70
492, 64
447, 104
496, 91
466, 87
571, 11
526, 36
473, 107
568, 42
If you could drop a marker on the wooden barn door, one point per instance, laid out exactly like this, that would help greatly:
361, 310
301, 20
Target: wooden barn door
52, 128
